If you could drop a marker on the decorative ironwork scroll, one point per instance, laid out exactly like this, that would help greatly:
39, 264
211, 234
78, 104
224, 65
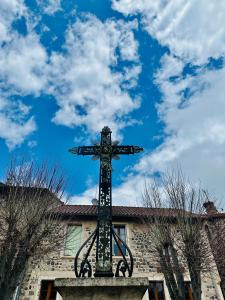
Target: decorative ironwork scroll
105, 151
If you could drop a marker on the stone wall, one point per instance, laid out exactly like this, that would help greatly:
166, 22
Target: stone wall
56, 265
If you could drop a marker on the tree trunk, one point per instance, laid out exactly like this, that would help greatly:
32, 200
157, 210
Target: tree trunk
14, 276
178, 272
195, 275
169, 280
167, 270
6, 293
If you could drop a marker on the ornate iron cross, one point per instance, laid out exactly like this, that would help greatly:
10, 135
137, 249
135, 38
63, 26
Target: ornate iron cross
105, 151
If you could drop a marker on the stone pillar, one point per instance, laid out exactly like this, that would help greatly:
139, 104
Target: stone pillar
103, 288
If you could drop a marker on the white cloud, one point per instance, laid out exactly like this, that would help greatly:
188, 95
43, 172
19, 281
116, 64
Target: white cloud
192, 29
32, 144
22, 72
88, 88
23, 64
9, 10
195, 127
83, 198
15, 125
193, 106
50, 7
129, 193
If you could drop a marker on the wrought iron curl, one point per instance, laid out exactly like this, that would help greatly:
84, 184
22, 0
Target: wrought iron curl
123, 265
85, 266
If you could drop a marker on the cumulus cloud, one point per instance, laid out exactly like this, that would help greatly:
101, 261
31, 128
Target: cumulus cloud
89, 88
15, 125
85, 80
23, 63
194, 125
10, 10
129, 193
184, 26
192, 106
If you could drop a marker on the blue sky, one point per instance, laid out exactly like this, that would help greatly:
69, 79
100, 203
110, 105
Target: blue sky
153, 71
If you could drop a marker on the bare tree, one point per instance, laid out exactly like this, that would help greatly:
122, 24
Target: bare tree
162, 237
27, 221
180, 237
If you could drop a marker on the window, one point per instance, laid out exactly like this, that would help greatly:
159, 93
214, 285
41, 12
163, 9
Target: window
48, 291
73, 240
188, 291
121, 232
156, 290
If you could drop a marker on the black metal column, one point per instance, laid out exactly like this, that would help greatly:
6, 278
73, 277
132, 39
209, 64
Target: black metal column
104, 237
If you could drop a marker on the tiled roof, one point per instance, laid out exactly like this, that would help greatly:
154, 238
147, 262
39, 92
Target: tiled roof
117, 211
121, 211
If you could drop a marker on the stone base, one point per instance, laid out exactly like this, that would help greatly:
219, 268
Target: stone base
119, 288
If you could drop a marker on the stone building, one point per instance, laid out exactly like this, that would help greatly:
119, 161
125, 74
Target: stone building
79, 221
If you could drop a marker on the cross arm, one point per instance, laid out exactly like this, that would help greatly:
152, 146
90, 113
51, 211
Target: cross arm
85, 150
118, 150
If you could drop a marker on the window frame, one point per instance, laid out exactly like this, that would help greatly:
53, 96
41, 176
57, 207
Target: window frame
126, 239
163, 288
65, 240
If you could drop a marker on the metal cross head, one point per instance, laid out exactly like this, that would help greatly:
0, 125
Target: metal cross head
106, 147
106, 150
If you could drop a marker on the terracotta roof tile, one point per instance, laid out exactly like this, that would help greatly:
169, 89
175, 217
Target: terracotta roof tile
122, 211
117, 211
